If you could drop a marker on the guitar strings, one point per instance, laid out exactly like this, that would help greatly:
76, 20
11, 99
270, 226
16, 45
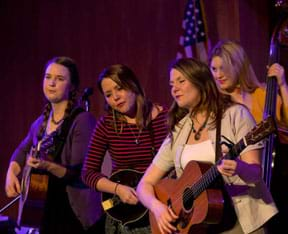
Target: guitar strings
196, 189
205, 180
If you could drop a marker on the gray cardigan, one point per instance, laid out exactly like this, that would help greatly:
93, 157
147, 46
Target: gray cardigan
84, 201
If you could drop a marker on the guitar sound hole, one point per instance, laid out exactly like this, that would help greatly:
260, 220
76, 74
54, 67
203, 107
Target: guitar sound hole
188, 199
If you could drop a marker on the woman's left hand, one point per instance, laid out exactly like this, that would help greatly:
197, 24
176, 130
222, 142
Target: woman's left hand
227, 167
37, 163
277, 71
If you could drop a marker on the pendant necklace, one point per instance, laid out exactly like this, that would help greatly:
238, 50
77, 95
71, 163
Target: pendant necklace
137, 141
54, 121
197, 134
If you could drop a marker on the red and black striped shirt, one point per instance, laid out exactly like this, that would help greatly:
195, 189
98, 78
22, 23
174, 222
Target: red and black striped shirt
122, 147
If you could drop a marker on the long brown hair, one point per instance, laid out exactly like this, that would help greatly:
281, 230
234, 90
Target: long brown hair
211, 100
123, 76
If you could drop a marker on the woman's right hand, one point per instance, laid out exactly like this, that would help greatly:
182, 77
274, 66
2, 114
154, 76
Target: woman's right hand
127, 194
164, 216
12, 185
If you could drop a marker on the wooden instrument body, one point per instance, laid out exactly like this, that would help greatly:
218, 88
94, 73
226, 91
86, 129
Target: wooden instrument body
191, 196
33, 206
34, 187
206, 208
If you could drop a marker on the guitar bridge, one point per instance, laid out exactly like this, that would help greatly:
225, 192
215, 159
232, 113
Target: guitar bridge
184, 219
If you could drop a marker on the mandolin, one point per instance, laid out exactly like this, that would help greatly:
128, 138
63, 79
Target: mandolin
114, 207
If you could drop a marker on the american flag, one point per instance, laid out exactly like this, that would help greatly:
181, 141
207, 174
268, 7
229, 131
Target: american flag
193, 41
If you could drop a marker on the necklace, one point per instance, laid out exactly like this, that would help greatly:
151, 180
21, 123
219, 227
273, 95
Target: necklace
137, 141
197, 134
54, 121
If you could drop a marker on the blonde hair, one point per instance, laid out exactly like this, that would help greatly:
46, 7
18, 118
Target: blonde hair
236, 60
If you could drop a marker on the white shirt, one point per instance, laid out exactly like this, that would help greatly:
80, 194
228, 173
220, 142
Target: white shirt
201, 152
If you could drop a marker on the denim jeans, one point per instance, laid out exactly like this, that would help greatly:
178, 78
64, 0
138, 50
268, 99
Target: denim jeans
114, 227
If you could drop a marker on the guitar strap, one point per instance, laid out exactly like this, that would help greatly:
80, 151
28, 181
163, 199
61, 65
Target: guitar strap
229, 216
218, 139
60, 138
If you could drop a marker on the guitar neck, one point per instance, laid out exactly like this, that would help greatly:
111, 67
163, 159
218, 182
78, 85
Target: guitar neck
259, 132
210, 175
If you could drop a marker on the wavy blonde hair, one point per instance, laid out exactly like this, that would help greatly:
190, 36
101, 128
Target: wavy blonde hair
236, 60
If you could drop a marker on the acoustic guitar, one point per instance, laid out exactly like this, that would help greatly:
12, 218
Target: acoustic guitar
34, 186
191, 197
114, 207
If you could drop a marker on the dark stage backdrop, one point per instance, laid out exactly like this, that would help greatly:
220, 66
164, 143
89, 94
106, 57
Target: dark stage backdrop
97, 33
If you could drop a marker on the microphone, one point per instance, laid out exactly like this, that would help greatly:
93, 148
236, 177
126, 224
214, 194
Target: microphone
87, 92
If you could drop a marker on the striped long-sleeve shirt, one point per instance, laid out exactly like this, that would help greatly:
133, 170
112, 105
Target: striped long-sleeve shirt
124, 151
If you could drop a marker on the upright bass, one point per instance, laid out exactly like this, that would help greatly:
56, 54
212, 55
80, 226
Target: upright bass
271, 94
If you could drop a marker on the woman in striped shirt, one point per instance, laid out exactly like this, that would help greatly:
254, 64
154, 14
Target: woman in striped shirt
132, 132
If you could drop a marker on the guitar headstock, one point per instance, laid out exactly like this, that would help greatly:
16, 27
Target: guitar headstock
47, 142
261, 130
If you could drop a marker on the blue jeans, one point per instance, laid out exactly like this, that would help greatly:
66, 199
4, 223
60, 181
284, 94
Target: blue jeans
114, 227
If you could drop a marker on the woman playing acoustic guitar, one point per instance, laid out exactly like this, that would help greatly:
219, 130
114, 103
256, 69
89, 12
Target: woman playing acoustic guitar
131, 132
70, 206
197, 111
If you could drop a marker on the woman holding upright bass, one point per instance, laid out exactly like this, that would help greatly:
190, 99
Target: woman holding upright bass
235, 76
70, 207
132, 131
196, 113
